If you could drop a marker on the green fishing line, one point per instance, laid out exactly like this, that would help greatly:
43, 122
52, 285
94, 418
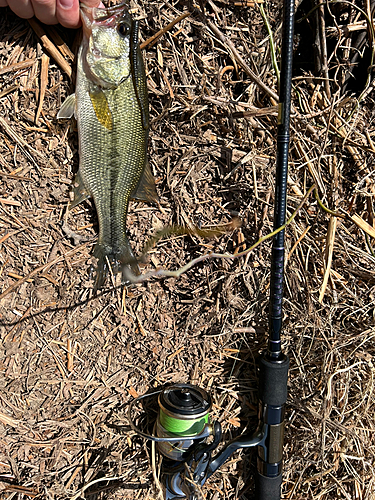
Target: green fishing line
183, 427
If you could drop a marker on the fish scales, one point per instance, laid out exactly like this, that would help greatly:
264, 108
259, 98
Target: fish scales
110, 160
111, 108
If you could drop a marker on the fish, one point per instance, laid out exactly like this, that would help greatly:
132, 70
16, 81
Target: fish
111, 107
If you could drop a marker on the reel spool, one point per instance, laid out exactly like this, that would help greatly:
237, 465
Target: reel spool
183, 419
183, 411
181, 428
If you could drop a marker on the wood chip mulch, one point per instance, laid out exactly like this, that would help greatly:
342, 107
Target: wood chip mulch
71, 361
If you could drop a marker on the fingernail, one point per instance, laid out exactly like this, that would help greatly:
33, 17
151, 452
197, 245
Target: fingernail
66, 4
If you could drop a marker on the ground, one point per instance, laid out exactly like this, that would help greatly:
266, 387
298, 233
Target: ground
71, 360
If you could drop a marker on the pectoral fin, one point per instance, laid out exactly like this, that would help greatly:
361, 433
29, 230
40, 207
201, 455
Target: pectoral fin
67, 109
146, 190
79, 190
101, 108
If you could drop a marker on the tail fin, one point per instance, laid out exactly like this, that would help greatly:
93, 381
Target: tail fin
120, 259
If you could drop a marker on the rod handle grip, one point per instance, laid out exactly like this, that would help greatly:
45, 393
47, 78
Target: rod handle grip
273, 380
268, 488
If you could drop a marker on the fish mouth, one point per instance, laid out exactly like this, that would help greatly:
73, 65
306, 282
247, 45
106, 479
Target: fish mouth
107, 17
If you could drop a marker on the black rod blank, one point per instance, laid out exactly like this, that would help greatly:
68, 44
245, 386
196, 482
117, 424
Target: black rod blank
274, 365
278, 249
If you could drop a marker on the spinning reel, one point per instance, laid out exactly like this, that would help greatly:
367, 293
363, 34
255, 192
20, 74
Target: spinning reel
186, 438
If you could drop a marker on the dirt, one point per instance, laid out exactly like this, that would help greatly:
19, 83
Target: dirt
71, 360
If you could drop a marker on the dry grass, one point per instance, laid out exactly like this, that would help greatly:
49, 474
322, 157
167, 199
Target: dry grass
70, 362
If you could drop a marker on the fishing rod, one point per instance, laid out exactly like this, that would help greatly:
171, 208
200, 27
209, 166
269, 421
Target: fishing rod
274, 364
183, 424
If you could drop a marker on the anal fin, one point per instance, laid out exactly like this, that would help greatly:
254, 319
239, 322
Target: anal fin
79, 191
146, 190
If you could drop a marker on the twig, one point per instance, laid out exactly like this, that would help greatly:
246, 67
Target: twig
17, 66
50, 47
224, 40
328, 255
358, 221
23, 145
247, 3
154, 38
326, 209
40, 269
61, 45
314, 173
323, 47
369, 246
298, 242
7, 91
272, 43
362, 224
7, 420
43, 85
270, 111
84, 488
22, 490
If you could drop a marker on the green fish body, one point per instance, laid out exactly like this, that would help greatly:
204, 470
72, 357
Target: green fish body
111, 108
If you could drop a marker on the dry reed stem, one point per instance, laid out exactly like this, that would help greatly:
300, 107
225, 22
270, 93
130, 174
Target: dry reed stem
17, 66
43, 84
154, 38
50, 47
232, 49
330, 240
362, 224
21, 490
59, 42
313, 171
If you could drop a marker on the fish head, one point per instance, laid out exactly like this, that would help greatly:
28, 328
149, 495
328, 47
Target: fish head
106, 44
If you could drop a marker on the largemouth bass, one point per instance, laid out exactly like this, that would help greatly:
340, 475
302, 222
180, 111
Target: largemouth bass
111, 107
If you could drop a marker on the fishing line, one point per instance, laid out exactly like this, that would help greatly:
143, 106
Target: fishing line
182, 427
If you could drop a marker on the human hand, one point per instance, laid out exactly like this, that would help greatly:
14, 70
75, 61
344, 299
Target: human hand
65, 12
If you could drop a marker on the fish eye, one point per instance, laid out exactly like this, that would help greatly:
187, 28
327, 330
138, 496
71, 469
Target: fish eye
123, 29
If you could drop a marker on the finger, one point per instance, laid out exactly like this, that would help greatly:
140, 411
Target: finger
67, 12
93, 3
45, 11
22, 8
3, 3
